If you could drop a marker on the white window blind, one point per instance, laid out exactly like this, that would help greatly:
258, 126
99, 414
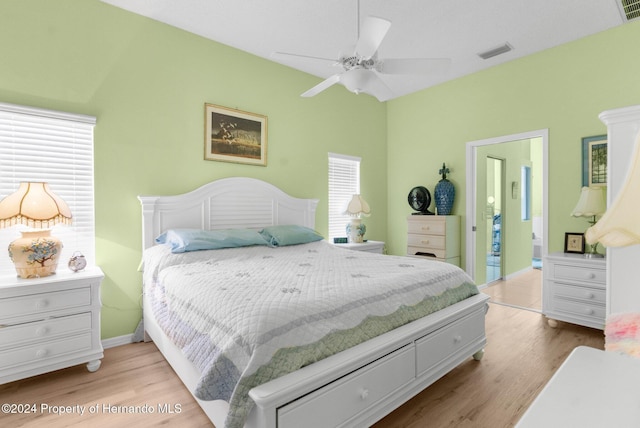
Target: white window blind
344, 182
55, 147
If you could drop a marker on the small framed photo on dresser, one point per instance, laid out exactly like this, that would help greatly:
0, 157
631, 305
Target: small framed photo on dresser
574, 243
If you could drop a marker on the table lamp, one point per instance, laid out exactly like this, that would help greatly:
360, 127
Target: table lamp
357, 208
36, 252
619, 226
591, 204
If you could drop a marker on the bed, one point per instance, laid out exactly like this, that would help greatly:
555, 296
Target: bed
356, 385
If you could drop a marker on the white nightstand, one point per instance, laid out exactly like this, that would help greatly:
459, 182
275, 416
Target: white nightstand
49, 323
574, 289
369, 246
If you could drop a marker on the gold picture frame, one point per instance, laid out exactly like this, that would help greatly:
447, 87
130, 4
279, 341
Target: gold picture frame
237, 136
574, 243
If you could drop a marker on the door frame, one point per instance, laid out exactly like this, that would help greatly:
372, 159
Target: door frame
471, 194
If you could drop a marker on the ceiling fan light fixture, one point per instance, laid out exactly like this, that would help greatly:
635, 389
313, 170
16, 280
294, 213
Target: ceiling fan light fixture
356, 79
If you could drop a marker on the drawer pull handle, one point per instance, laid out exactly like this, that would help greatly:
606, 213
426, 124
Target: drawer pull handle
591, 275
42, 331
425, 241
457, 339
426, 228
41, 304
589, 311
590, 295
364, 394
41, 353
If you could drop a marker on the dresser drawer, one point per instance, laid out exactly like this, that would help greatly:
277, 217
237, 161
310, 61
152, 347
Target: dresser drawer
439, 345
34, 304
433, 226
45, 351
594, 312
352, 394
426, 241
594, 295
14, 335
426, 252
579, 273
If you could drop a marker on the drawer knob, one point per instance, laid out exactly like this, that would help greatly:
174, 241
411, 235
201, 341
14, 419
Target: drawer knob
42, 331
364, 394
41, 353
42, 303
590, 295
591, 275
457, 339
425, 241
589, 311
426, 228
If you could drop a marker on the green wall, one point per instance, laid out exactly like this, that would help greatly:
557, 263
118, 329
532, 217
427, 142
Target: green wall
563, 89
147, 84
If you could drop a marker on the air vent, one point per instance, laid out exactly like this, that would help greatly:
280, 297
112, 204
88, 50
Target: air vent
630, 9
497, 51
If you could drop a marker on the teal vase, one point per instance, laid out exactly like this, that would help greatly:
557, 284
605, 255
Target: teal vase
445, 193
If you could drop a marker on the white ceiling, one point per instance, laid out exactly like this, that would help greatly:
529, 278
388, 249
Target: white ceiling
455, 29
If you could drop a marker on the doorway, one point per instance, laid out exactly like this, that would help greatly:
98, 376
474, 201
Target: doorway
494, 216
506, 228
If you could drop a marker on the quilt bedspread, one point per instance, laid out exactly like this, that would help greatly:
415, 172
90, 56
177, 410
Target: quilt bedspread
245, 316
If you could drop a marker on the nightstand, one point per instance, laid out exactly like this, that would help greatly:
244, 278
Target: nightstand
49, 323
574, 289
368, 246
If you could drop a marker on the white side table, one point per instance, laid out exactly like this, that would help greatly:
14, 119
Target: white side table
368, 246
49, 323
592, 388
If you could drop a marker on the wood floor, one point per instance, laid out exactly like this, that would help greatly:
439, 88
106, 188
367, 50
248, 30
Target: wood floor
524, 290
521, 355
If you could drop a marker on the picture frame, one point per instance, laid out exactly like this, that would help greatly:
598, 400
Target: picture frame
574, 243
594, 161
237, 136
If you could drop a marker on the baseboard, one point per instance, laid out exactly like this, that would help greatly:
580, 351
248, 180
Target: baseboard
520, 272
117, 341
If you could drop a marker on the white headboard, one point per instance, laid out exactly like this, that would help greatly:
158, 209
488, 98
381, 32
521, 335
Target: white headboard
236, 202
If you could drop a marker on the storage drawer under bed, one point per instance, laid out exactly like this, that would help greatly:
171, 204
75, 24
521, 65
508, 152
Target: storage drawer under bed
352, 394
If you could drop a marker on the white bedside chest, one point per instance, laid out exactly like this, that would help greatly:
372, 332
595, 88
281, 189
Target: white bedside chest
49, 323
368, 246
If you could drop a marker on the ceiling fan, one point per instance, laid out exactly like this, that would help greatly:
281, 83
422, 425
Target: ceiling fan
361, 67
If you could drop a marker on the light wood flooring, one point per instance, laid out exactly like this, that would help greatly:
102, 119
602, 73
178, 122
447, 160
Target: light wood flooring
524, 290
521, 355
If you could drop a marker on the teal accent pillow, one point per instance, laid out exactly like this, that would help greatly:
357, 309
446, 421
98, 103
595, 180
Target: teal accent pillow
280, 236
184, 240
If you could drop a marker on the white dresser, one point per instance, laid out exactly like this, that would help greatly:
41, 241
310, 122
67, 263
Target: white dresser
436, 236
49, 323
574, 289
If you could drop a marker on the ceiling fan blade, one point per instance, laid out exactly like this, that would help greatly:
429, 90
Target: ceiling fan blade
378, 88
322, 86
371, 35
306, 58
414, 65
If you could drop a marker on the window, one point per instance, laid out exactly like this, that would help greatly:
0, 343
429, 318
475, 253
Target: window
56, 147
344, 182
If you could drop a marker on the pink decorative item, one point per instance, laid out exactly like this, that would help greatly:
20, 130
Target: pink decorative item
622, 333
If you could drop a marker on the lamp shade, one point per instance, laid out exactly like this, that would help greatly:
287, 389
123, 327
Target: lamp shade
34, 205
619, 226
591, 203
357, 207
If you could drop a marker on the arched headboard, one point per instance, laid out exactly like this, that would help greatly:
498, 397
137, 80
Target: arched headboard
228, 203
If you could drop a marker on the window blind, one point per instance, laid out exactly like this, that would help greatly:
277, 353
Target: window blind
55, 147
344, 182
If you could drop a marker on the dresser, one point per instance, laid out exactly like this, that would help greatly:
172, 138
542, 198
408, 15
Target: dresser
368, 246
574, 289
436, 236
49, 323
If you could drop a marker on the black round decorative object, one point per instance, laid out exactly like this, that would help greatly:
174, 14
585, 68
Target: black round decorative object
419, 199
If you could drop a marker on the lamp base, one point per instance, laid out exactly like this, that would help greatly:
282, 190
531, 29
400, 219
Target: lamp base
593, 256
35, 254
355, 231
